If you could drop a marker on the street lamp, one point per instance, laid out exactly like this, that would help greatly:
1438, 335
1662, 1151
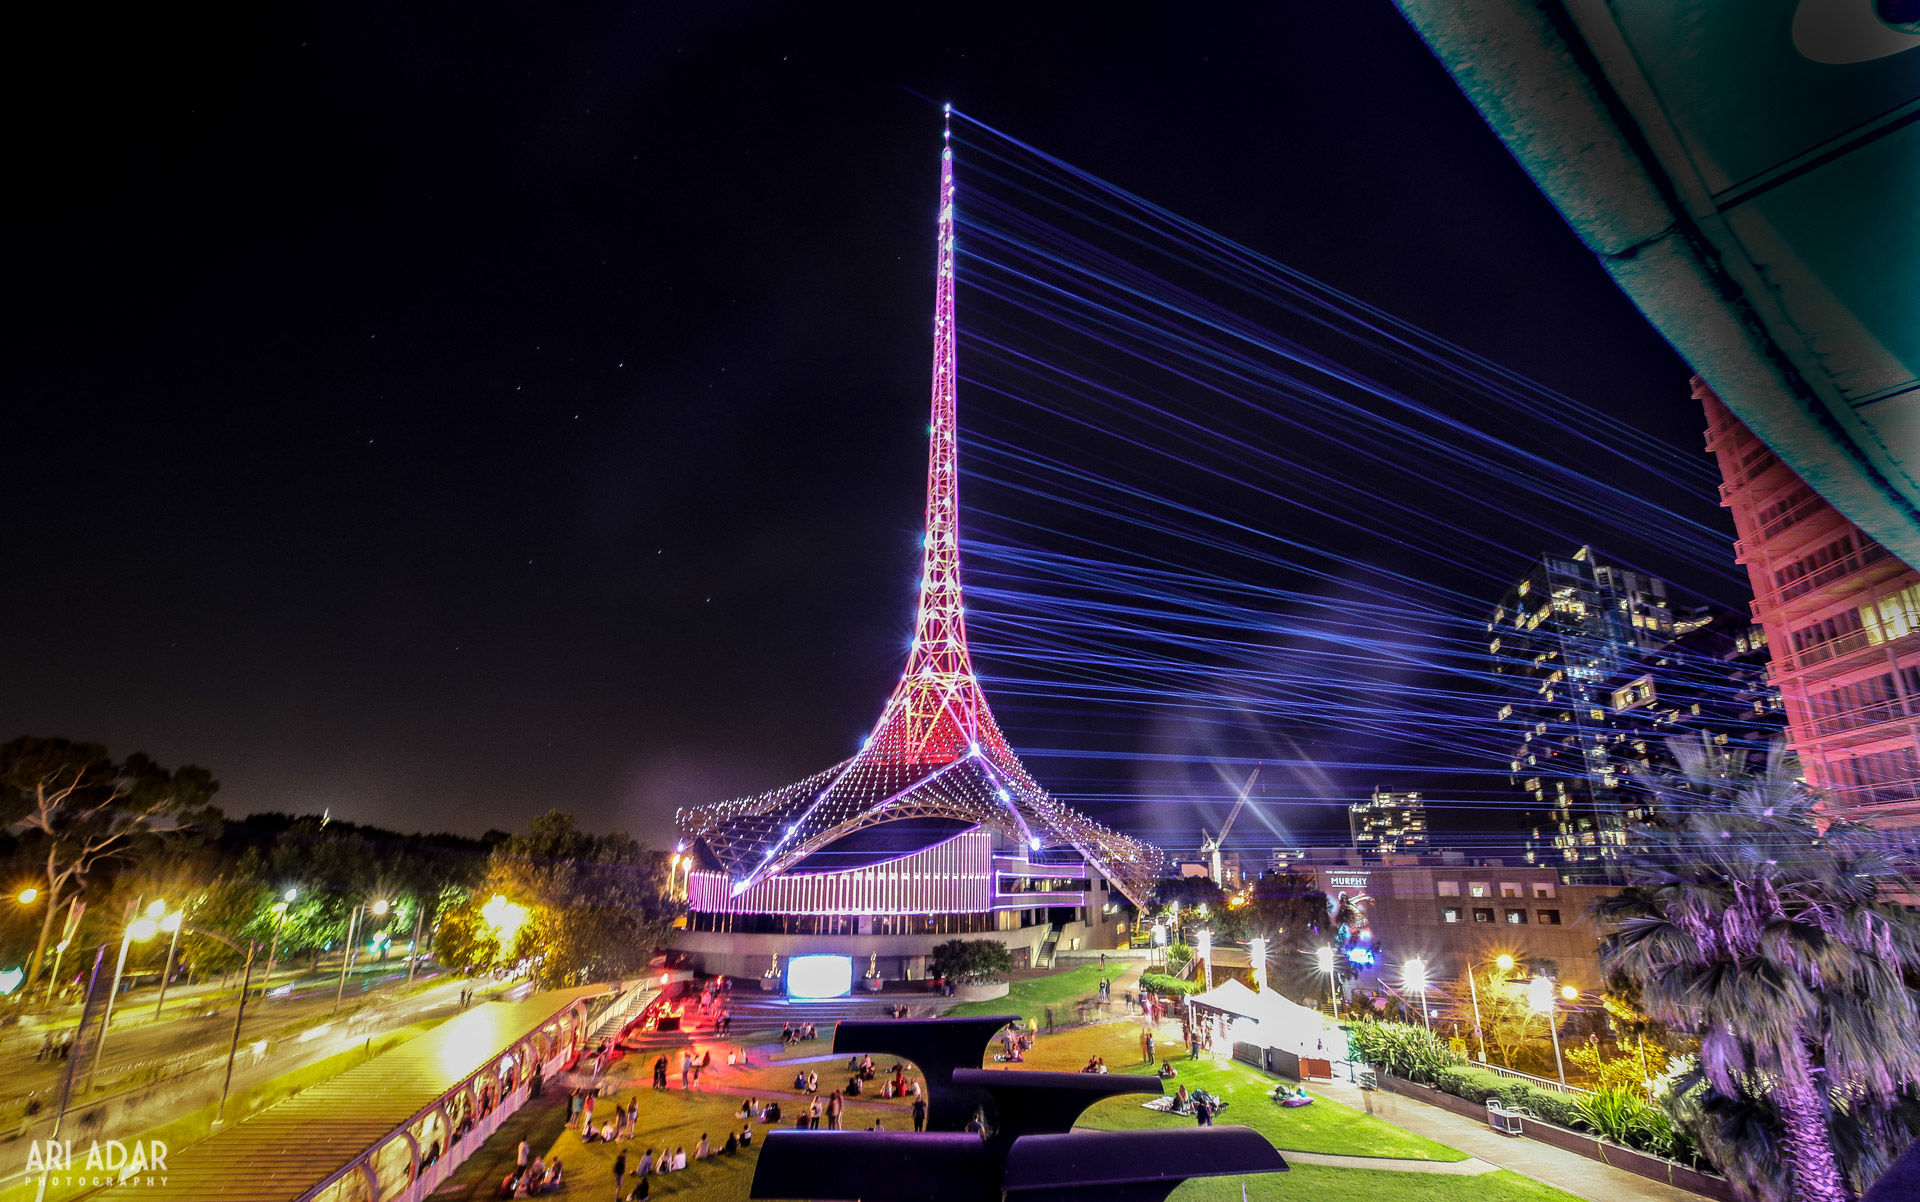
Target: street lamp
171, 923
279, 911
1324, 956
1505, 963
1540, 998
346, 953
1413, 974
28, 896
141, 929
1258, 947
1206, 956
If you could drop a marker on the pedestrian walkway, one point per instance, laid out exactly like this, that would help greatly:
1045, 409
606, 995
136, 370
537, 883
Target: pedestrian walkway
1543, 1162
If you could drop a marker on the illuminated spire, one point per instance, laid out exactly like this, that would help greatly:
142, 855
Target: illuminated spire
937, 713
936, 751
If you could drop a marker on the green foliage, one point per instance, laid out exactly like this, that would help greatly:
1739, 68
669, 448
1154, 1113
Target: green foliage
1180, 957
597, 906
1161, 983
972, 960
1624, 1115
1402, 1049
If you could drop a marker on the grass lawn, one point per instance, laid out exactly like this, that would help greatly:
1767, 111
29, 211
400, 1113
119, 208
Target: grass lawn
1319, 1183
676, 1118
1325, 1126
1030, 998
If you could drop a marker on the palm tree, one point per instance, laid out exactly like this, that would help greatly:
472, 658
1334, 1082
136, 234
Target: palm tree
1755, 922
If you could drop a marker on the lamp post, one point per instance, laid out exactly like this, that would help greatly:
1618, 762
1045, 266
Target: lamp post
1540, 997
1206, 957
170, 923
1324, 956
413, 948
1414, 974
1258, 947
1505, 963
279, 911
141, 929
346, 953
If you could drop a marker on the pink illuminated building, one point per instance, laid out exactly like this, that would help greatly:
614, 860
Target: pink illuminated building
1842, 617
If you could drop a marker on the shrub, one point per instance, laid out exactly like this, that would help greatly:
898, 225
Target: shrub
1159, 982
1402, 1049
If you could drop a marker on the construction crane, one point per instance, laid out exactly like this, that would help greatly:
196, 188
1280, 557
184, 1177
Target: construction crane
1210, 844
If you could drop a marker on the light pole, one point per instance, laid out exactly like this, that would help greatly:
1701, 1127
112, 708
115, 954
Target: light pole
1206, 957
141, 929
1414, 973
170, 923
1540, 997
413, 948
279, 911
1505, 964
1324, 956
1258, 947
346, 953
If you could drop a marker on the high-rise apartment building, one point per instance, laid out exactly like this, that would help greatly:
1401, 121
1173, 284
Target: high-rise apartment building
1842, 617
1388, 822
1708, 684
1555, 641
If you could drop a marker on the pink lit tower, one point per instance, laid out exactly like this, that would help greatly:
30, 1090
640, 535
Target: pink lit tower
934, 828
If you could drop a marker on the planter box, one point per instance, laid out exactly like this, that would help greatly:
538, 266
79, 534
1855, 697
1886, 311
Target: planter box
872, 984
986, 991
769, 984
1579, 1142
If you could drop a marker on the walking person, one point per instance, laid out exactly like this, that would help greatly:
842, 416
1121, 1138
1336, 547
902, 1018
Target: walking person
619, 1174
520, 1158
919, 1114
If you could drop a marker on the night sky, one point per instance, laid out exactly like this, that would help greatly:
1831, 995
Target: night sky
440, 417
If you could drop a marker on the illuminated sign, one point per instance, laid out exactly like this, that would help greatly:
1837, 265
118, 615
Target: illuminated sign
1347, 880
819, 976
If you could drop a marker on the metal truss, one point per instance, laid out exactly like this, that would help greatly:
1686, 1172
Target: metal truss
936, 751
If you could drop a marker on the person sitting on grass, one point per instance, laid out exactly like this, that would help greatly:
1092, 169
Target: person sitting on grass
746, 1137
731, 1146
704, 1148
1167, 1071
679, 1159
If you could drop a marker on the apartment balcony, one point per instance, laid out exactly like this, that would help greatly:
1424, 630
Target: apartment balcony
1880, 721
1869, 564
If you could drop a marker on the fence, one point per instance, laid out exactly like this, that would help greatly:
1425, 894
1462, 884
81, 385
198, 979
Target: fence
1530, 1079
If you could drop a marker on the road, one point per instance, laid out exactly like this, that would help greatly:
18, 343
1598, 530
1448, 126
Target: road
191, 1027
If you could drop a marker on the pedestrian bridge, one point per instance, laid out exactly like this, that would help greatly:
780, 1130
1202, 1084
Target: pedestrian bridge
391, 1129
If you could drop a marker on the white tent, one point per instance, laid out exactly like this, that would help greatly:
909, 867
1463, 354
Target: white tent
1271, 1021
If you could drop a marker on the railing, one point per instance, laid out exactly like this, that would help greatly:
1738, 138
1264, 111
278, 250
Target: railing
1530, 1079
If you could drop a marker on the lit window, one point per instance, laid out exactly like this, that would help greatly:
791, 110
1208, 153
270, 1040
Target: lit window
1517, 918
1448, 888
1450, 914
1478, 889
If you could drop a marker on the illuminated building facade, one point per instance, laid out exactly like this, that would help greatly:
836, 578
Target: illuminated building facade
1554, 642
1842, 619
1388, 822
933, 830
1462, 912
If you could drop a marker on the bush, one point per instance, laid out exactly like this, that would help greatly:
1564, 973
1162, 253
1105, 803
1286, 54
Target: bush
972, 960
1159, 982
1402, 1049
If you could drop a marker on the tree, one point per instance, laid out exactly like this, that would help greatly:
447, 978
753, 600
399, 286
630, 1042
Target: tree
972, 960
579, 907
79, 810
1507, 1018
1756, 923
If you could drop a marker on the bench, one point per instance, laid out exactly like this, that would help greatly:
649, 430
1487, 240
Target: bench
1504, 1120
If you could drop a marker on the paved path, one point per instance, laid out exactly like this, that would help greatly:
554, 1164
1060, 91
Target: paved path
1543, 1162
